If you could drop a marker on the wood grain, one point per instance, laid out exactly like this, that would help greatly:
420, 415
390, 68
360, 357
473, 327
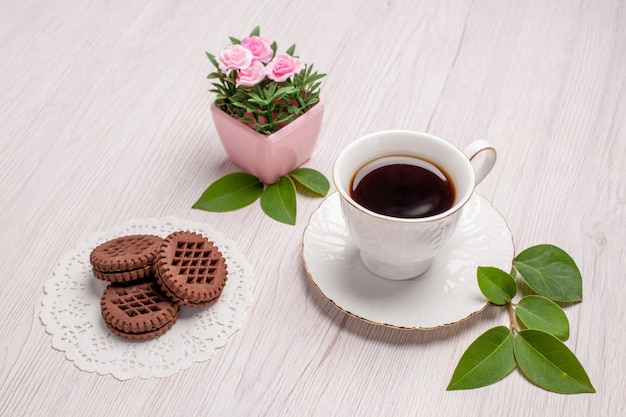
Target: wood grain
104, 117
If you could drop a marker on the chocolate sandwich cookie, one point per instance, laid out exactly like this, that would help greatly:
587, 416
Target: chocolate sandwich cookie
138, 311
190, 269
125, 258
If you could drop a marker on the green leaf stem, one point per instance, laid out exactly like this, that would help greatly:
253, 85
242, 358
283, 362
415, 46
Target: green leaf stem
548, 363
487, 360
551, 272
278, 201
540, 313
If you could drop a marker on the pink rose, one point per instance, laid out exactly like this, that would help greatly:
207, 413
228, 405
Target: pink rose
252, 75
260, 48
234, 57
282, 67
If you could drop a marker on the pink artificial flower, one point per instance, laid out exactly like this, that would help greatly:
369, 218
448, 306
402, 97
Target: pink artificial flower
282, 67
260, 47
252, 75
235, 57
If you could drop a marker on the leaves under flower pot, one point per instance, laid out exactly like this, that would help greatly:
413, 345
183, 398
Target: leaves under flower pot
311, 179
231, 192
278, 201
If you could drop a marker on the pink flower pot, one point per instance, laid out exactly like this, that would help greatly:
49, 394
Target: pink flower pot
268, 157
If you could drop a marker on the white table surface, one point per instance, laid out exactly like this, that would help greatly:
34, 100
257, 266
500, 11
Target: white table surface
104, 117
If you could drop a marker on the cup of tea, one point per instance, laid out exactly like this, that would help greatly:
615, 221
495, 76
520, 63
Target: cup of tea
402, 193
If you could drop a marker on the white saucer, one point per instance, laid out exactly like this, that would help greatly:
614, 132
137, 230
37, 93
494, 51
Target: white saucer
445, 294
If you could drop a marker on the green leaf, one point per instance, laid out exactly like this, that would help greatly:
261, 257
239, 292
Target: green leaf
284, 120
281, 92
498, 286
291, 50
234, 41
537, 312
269, 91
279, 201
551, 272
311, 179
212, 59
487, 360
314, 86
230, 192
260, 102
293, 109
256, 31
274, 46
244, 106
255, 93
548, 363
314, 78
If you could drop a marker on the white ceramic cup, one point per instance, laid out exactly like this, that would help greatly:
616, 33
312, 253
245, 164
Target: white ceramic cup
400, 248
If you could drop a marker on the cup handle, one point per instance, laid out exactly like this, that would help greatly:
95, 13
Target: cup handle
481, 147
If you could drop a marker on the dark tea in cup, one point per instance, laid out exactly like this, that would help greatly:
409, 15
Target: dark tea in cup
404, 187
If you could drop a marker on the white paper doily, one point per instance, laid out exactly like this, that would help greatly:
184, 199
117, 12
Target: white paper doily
71, 311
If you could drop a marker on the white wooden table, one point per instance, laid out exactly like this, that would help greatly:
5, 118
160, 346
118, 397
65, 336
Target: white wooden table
104, 117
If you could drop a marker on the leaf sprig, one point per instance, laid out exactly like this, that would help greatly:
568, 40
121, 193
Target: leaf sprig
538, 326
278, 200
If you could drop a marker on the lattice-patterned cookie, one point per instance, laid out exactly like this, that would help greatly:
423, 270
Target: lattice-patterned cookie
125, 258
138, 311
190, 269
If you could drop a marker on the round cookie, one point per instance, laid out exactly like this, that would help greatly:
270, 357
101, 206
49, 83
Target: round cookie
126, 258
138, 311
190, 269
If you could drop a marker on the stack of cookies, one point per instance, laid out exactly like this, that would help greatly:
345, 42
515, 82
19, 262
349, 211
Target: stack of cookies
152, 277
